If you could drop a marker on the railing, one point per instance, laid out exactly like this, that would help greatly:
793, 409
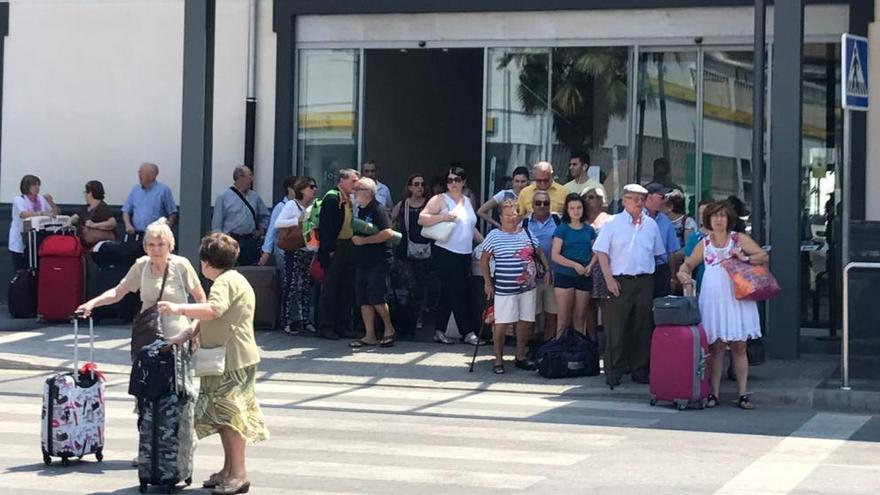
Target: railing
844, 341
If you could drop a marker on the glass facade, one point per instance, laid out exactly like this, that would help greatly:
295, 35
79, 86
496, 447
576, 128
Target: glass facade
327, 106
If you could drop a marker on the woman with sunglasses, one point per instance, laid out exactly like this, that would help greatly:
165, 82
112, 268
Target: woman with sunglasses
296, 292
594, 198
452, 257
415, 252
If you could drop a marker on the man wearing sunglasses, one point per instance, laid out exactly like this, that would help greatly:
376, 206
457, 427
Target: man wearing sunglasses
542, 180
541, 224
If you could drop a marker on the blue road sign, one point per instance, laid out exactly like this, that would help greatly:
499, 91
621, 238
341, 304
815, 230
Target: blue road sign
854, 72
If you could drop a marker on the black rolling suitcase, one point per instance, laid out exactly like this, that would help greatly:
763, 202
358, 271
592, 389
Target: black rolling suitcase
22, 295
165, 423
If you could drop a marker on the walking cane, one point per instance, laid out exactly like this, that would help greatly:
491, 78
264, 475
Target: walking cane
488, 320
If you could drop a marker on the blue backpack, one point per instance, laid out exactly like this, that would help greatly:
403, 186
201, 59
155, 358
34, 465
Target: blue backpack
572, 354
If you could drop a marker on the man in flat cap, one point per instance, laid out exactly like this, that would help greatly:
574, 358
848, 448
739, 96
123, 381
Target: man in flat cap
627, 246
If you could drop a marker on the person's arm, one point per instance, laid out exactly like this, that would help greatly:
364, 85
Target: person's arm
377, 238
478, 236
556, 256
488, 288
217, 216
750, 251
126, 213
110, 296
395, 212
610, 281
686, 270
170, 206
431, 215
485, 212
53, 208
200, 311
263, 214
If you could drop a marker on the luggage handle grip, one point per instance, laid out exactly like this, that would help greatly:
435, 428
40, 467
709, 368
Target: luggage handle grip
76, 317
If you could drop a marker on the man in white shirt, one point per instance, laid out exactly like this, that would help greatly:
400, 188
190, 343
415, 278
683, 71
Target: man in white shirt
580, 181
383, 194
627, 247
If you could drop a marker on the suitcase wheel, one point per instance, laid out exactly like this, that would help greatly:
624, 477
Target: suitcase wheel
99, 455
653, 401
65, 461
143, 488
188, 481
47, 459
681, 405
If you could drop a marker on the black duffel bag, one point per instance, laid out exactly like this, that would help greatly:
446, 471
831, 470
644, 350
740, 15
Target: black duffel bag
676, 311
569, 355
153, 372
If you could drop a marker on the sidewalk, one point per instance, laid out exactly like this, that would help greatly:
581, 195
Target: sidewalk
811, 382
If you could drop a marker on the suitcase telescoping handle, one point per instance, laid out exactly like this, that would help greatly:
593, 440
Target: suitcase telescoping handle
690, 290
76, 317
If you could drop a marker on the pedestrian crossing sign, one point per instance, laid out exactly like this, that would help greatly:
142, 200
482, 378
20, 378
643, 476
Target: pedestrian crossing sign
854, 72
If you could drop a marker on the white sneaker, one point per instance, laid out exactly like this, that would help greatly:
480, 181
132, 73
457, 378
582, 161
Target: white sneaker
472, 339
441, 338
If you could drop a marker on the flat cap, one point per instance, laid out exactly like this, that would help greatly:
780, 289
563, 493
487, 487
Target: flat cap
634, 188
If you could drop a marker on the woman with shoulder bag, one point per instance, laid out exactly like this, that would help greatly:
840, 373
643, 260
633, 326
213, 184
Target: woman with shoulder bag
95, 221
226, 361
450, 220
415, 250
158, 276
728, 321
296, 292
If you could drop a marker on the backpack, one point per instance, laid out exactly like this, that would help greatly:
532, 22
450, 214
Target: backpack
310, 224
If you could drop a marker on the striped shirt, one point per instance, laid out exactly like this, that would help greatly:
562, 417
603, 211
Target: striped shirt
514, 262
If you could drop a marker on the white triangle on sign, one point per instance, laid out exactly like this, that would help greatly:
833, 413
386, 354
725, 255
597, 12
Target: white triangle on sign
856, 85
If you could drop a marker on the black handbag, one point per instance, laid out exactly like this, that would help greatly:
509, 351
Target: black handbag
146, 326
676, 310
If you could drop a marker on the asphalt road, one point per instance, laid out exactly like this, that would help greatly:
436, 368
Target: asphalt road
359, 438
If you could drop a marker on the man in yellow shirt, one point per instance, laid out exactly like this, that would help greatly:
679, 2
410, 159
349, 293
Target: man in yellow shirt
578, 165
542, 179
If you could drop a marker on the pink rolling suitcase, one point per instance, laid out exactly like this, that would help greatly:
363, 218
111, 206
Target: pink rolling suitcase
679, 371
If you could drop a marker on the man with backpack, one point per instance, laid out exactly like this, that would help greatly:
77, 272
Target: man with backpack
336, 256
541, 224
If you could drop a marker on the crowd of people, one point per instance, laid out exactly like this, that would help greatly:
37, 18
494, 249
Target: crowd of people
552, 256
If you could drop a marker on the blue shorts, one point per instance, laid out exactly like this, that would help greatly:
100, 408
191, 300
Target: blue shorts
565, 281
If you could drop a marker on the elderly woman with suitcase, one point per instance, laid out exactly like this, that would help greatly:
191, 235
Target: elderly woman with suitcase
226, 360
728, 321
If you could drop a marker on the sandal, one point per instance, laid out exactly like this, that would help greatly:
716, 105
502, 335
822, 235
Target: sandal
711, 400
227, 488
357, 344
387, 341
498, 369
213, 481
745, 403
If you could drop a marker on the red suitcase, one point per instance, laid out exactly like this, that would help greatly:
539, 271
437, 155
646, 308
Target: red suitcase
60, 277
679, 372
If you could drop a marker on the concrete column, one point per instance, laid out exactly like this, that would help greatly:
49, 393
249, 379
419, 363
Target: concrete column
784, 177
197, 128
872, 179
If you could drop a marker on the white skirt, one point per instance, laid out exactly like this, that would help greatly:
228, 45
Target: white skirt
725, 317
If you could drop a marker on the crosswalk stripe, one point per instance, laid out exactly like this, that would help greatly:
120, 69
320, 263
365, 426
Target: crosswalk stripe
472, 477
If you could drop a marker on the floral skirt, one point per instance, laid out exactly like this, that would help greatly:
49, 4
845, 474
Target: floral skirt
228, 401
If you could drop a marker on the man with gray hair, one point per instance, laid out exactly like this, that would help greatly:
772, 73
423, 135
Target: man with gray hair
336, 255
542, 180
147, 202
240, 212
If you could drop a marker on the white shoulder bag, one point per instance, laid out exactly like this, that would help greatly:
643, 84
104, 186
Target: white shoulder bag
440, 231
210, 361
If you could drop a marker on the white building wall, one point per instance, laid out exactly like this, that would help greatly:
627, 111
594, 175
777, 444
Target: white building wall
93, 88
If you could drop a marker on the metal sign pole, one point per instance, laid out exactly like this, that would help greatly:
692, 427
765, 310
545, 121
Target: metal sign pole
844, 242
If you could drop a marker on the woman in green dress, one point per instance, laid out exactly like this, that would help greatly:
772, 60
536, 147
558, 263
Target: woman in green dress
226, 402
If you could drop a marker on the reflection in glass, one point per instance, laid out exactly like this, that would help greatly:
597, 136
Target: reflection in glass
666, 118
589, 109
327, 113
517, 111
728, 88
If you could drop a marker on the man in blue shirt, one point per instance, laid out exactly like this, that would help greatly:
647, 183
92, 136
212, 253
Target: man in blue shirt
240, 212
664, 270
148, 201
541, 224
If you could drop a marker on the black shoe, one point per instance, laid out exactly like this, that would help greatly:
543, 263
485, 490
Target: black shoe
524, 364
330, 335
613, 382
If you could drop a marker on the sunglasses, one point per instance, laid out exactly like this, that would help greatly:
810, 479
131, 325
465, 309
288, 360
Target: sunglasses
457, 180
418, 184
542, 181
591, 196
541, 203
313, 186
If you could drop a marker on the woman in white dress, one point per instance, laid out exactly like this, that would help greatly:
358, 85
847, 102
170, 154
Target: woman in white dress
727, 320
